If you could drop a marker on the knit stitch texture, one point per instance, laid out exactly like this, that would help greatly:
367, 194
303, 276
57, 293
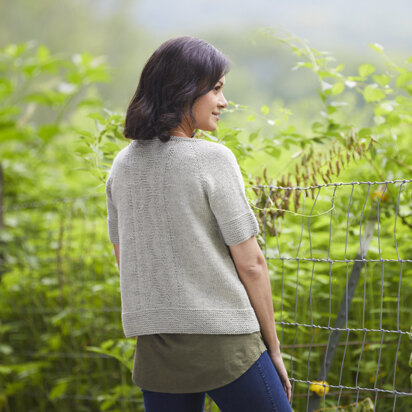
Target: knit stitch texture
174, 208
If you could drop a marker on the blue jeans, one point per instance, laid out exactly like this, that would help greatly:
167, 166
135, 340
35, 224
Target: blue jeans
259, 389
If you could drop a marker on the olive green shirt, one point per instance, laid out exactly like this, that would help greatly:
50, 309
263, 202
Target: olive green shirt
186, 363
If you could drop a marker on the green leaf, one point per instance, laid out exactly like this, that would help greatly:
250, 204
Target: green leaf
323, 73
58, 390
82, 149
37, 97
366, 69
265, 109
384, 108
381, 79
90, 101
82, 132
377, 47
98, 76
364, 132
98, 117
43, 53
6, 87
15, 50
48, 131
109, 147
113, 352
316, 125
372, 93
290, 129
107, 344
5, 370
392, 119
46, 97
251, 118
253, 136
340, 67
302, 64
338, 88
318, 139
403, 78
272, 151
332, 109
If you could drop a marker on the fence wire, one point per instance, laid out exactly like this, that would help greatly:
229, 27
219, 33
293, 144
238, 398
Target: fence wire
369, 251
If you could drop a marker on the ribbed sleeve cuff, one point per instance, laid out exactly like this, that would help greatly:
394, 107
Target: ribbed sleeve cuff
240, 229
113, 231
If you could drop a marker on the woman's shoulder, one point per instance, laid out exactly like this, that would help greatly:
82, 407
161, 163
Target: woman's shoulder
216, 154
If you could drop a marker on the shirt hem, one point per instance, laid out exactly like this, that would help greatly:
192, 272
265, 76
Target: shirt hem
204, 388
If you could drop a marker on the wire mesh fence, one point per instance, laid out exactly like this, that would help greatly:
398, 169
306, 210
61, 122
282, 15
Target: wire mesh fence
343, 283
339, 257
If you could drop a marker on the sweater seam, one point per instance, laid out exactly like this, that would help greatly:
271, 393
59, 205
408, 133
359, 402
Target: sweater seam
205, 184
169, 156
203, 180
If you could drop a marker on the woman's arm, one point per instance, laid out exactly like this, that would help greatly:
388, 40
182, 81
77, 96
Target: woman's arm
253, 272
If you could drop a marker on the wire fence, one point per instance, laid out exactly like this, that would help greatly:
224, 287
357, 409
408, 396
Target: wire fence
345, 253
339, 257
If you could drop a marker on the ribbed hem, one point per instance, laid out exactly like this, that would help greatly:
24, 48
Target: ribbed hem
180, 320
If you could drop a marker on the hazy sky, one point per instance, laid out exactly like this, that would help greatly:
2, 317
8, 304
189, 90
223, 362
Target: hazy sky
346, 24
128, 31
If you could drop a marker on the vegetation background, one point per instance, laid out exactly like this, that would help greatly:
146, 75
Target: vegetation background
298, 116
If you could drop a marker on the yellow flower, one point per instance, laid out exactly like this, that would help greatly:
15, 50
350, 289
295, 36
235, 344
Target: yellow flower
376, 195
318, 388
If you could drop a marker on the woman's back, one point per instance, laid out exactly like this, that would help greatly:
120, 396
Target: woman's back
174, 207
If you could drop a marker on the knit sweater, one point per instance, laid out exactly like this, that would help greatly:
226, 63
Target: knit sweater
174, 208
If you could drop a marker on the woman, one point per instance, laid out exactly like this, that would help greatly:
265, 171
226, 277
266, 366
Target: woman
195, 289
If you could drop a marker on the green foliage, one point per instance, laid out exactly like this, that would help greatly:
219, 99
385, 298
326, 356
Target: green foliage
60, 331
122, 350
51, 285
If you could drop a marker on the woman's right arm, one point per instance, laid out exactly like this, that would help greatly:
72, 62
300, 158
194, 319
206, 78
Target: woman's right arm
251, 267
253, 272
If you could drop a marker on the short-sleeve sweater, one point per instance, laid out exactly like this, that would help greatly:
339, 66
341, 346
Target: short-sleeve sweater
175, 207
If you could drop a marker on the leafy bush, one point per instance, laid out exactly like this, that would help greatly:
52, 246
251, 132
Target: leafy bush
62, 345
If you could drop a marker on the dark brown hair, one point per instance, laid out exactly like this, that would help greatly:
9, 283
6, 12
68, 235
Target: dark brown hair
179, 71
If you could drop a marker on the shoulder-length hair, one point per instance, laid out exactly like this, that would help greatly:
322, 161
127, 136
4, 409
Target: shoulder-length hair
179, 71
